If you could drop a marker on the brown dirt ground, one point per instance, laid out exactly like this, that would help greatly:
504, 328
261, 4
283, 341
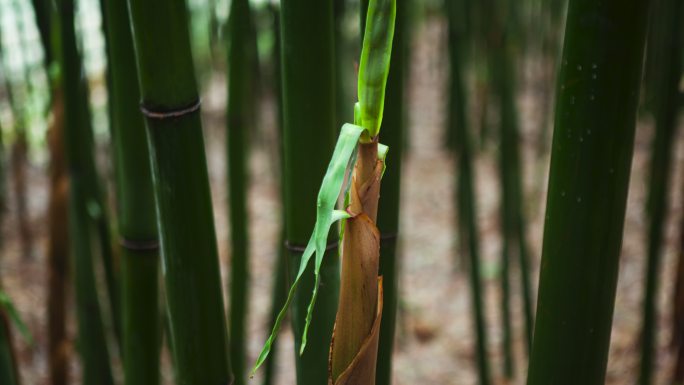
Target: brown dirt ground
435, 337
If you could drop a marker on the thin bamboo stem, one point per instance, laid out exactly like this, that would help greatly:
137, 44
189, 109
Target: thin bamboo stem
667, 55
141, 322
78, 140
458, 126
240, 120
394, 123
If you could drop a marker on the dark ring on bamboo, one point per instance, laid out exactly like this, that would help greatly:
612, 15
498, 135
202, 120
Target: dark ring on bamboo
172, 113
146, 245
389, 236
301, 248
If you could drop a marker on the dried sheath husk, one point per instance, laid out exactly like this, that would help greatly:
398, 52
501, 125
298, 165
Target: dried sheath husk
353, 350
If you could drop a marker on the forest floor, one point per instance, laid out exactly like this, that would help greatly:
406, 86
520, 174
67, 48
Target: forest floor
435, 338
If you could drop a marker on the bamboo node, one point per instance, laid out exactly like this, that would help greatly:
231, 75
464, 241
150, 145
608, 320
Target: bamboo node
136, 245
171, 113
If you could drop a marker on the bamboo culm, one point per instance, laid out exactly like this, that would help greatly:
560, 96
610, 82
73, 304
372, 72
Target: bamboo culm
593, 141
309, 127
666, 54
394, 124
141, 319
78, 140
240, 121
465, 196
170, 103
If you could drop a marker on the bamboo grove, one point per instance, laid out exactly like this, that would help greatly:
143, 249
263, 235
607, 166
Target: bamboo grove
341, 192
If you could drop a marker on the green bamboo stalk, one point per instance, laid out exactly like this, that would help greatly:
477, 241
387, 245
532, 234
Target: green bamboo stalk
102, 216
170, 102
78, 140
597, 95
457, 25
502, 70
343, 64
58, 243
239, 119
393, 126
280, 274
137, 218
667, 56
458, 122
308, 136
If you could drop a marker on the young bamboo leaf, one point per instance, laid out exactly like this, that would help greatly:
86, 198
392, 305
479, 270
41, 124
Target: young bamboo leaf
6, 303
326, 215
375, 62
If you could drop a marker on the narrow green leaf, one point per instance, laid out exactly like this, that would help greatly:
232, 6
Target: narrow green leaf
326, 215
6, 304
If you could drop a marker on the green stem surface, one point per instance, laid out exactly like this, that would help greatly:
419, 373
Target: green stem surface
181, 183
593, 141
308, 71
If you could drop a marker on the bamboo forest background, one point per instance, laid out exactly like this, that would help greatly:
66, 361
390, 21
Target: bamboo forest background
479, 85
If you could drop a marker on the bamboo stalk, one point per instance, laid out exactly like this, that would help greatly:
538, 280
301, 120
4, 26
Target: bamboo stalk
141, 338
170, 102
78, 139
308, 136
502, 70
466, 202
58, 244
677, 339
394, 123
280, 273
240, 119
597, 95
666, 102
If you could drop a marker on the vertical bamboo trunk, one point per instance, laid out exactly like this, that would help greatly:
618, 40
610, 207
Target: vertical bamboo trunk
597, 95
170, 103
465, 197
502, 70
667, 55
78, 140
239, 121
677, 341
279, 291
58, 247
394, 123
138, 239
308, 72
